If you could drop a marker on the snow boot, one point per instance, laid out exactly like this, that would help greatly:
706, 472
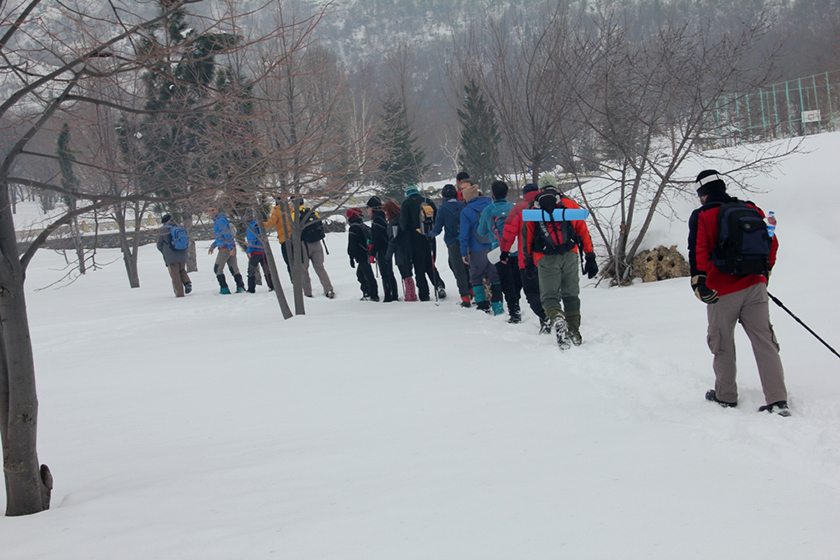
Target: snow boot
498, 307
441, 293
252, 284
223, 287
561, 332
481, 302
779, 407
573, 321
240, 286
410, 290
187, 287
330, 294
545, 326
515, 317
711, 396
465, 301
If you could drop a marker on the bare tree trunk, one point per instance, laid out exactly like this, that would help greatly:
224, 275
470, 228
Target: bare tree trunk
275, 279
192, 260
129, 256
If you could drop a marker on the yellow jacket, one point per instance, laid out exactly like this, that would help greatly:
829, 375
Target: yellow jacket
276, 221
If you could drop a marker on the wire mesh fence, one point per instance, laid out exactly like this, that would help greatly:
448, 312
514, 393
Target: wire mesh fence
794, 108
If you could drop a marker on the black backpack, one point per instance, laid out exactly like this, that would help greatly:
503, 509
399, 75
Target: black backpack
743, 244
544, 241
313, 227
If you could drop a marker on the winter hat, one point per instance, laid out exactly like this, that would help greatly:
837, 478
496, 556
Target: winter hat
449, 191
499, 190
412, 189
709, 181
469, 193
354, 213
530, 187
166, 218
374, 202
547, 180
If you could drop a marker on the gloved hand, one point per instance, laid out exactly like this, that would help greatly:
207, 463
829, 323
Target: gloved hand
504, 256
531, 270
704, 294
352, 262
590, 267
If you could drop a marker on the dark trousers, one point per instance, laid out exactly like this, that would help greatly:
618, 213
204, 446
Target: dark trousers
421, 258
255, 260
389, 281
459, 269
179, 276
511, 282
364, 274
531, 288
286, 258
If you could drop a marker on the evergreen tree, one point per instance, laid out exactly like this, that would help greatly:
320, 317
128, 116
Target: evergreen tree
480, 137
403, 161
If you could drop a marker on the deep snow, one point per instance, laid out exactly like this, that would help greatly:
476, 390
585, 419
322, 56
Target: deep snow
209, 428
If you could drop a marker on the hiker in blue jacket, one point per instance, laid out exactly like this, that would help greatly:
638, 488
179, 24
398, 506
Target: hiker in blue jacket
492, 224
448, 220
256, 256
226, 245
474, 251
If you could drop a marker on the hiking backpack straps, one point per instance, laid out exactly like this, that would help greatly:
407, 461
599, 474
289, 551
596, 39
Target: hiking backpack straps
427, 217
743, 244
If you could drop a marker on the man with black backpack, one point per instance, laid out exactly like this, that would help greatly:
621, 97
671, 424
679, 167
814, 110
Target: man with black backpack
173, 243
731, 255
312, 250
417, 219
553, 247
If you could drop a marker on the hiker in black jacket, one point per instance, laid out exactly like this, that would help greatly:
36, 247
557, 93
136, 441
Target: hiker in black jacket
358, 242
379, 249
421, 248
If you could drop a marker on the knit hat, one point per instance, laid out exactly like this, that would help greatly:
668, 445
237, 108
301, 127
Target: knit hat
354, 213
709, 181
530, 187
547, 180
449, 191
374, 202
469, 193
165, 218
412, 189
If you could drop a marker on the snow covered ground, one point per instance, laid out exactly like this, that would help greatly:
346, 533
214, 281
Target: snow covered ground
209, 428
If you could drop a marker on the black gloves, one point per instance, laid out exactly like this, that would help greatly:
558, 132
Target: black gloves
704, 294
531, 271
352, 262
504, 256
590, 267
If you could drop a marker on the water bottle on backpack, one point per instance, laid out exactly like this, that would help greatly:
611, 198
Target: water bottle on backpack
771, 224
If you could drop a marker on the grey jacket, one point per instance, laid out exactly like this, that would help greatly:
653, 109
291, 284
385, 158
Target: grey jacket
170, 255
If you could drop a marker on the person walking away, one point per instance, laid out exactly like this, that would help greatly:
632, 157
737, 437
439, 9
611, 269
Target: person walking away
226, 245
278, 223
474, 249
358, 243
492, 224
512, 236
256, 257
174, 252
399, 249
417, 217
312, 250
448, 221
553, 248
379, 249
729, 270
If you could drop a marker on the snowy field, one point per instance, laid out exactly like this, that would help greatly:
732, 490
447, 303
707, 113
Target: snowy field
209, 428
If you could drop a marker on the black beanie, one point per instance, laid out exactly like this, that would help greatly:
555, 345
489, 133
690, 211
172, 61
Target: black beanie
449, 191
374, 202
166, 218
709, 181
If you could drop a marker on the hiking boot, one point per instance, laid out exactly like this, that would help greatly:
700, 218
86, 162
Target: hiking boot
561, 333
484, 306
573, 321
711, 396
498, 307
545, 326
465, 302
240, 289
187, 287
225, 291
779, 407
515, 318
330, 294
374, 298
441, 293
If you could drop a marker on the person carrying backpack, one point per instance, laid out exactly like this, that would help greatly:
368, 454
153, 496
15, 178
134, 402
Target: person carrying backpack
379, 249
417, 218
256, 256
358, 249
312, 250
553, 248
227, 252
172, 242
448, 221
729, 277
474, 249
492, 224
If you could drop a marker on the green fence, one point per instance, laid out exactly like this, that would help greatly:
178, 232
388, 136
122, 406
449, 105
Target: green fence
793, 108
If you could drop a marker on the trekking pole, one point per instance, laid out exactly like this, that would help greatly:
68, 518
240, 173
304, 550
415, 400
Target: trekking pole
434, 275
324, 241
798, 320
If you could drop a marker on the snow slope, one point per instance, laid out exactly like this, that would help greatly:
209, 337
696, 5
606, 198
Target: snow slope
209, 428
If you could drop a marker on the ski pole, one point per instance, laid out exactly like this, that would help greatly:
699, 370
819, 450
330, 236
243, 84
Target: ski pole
798, 320
434, 273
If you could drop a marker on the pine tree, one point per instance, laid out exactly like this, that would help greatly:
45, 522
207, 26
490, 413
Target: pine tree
480, 137
403, 162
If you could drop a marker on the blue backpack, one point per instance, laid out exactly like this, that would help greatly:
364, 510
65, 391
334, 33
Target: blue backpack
180, 241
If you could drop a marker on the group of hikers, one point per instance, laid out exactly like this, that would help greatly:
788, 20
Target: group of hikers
496, 253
